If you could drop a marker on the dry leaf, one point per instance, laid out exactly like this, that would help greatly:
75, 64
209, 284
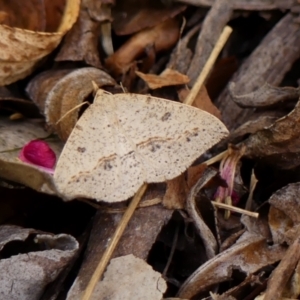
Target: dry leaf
58, 92
283, 271
138, 238
247, 256
208, 238
131, 16
22, 49
202, 101
13, 136
162, 37
124, 140
265, 96
40, 86
54, 11
28, 14
278, 144
175, 196
284, 213
127, 278
25, 275
25, 107
81, 43
168, 77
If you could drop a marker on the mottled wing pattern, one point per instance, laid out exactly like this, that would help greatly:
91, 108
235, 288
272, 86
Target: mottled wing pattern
124, 140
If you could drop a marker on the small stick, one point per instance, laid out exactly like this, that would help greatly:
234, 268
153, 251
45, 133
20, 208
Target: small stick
216, 158
113, 243
208, 65
236, 209
69, 111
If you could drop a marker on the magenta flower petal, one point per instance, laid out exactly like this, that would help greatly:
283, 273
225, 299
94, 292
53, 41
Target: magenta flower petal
38, 153
227, 172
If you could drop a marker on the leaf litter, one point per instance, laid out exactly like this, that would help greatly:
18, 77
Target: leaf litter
202, 252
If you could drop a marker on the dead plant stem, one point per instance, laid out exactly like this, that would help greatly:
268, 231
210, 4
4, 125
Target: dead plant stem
113, 243
208, 65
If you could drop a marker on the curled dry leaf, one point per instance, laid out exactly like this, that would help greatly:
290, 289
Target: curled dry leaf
168, 77
128, 277
265, 96
124, 140
162, 37
278, 144
28, 15
22, 49
246, 256
208, 238
25, 276
40, 86
131, 16
81, 42
61, 91
252, 126
13, 136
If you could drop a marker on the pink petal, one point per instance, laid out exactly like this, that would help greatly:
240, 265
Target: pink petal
38, 153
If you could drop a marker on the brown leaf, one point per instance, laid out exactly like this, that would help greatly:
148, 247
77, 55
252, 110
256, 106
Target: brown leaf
201, 101
168, 77
131, 16
278, 144
283, 271
22, 49
81, 43
54, 12
248, 256
194, 173
175, 196
64, 90
26, 14
41, 85
265, 96
163, 36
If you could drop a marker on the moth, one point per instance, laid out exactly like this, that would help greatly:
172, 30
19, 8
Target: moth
124, 140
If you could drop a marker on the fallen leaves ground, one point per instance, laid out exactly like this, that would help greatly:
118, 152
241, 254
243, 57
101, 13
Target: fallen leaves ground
227, 227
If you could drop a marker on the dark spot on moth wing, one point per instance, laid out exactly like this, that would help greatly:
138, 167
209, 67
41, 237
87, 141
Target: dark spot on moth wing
78, 127
81, 149
107, 165
154, 147
166, 116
